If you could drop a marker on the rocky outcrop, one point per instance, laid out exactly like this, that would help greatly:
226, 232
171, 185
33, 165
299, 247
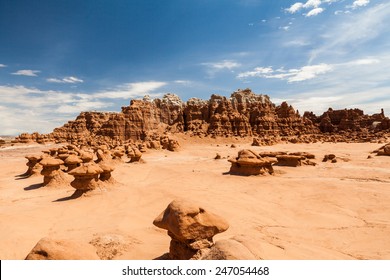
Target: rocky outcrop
60, 249
249, 163
383, 151
191, 229
243, 114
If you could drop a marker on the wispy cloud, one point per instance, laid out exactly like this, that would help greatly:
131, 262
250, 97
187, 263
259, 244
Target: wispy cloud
314, 12
66, 80
212, 68
183, 82
131, 90
32, 109
224, 64
291, 75
359, 3
30, 73
2, 65
353, 32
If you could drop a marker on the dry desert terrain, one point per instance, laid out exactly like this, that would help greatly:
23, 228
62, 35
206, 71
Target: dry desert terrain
328, 211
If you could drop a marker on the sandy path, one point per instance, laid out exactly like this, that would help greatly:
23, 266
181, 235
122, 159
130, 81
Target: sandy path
330, 211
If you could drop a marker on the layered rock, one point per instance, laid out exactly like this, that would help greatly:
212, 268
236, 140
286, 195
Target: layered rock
243, 114
86, 177
34, 168
249, 163
52, 175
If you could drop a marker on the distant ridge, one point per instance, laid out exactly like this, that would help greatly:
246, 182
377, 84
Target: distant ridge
243, 114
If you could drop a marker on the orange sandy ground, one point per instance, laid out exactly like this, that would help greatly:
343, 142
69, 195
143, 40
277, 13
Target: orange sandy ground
330, 211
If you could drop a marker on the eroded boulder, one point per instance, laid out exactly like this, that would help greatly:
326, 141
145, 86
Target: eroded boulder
249, 163
191, 229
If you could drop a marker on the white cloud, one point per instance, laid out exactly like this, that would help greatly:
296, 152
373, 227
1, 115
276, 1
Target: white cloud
296, 42
257, 72
2, 65
224, 64
312, 4
131, 90
352, 32
31, 109
30, 73
365, 61
183, 82
314, 12
295, 8
291, 75
309, 72
66, 80
359, 3
81, 107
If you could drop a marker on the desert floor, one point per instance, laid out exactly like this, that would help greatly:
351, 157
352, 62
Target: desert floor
329, 211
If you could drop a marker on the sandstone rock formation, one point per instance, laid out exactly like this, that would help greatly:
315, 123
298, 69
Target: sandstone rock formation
329, 157
72, 162
191, 228
289, 160
34, 168
52, 175
59, 249
243, 114
86, 177
106, 176
134, 154
383, 151
249, 163
238, 247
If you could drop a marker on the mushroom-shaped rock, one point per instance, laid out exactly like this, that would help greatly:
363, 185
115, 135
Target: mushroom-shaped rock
53, 151
249, 163
134, 155
86, 176
33, 167
191, 228
173, 145
103, 156
105, 176
63, 156
52, 175
86, 157
117, 154
72, 161
329, 157
154, 145
289, 160
58, 249
142, 147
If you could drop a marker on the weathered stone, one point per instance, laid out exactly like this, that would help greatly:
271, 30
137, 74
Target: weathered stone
249, 163
59, 249
191, 228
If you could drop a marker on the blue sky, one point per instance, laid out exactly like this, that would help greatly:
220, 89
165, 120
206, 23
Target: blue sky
58, 58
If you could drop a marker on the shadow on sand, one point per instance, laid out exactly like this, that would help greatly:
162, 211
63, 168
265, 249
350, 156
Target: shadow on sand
33, 187
75, 195
22, 176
